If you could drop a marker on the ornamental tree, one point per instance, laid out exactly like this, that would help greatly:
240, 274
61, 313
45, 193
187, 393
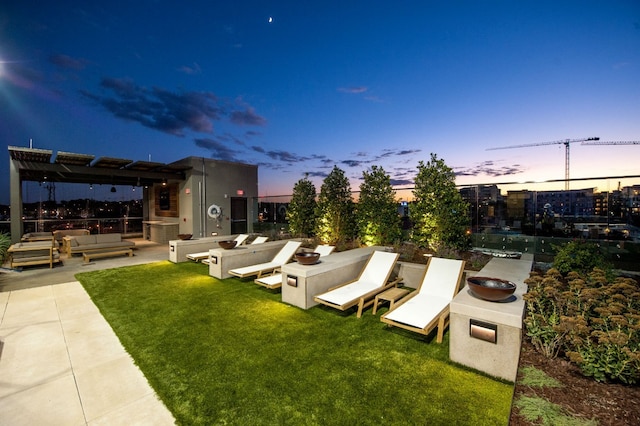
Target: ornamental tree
335, 223
377, 211
301, 213
439, 214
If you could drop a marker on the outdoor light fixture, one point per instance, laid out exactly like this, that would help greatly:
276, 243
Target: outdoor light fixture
113, 189
164, 182
90, 186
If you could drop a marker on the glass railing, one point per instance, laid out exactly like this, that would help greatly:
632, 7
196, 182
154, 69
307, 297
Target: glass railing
531, 217
129, 226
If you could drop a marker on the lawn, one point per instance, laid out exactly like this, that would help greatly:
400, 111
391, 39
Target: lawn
230, 352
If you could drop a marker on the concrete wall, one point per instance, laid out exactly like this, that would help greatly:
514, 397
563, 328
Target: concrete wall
211, 182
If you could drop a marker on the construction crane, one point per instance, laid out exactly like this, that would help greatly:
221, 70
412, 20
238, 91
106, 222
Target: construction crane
612, 143
565, 142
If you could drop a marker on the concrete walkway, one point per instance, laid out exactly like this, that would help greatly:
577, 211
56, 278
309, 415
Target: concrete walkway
60, 361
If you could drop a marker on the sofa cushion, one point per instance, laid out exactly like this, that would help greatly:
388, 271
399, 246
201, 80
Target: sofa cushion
31, 253
108, 238
59, 234
85, 239
102, 246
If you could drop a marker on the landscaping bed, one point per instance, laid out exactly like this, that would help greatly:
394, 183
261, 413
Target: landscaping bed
582, 398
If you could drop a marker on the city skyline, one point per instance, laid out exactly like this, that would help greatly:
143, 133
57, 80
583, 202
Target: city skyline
300, 88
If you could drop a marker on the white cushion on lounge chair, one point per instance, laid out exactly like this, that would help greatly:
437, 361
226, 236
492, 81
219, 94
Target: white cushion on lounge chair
271, 281
419, 311
346, 293
324, 250
259, 240
240, 239
283, 256
373, 277
275, 280
202, 255
428, 307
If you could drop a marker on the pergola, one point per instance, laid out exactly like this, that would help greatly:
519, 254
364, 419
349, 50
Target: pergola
31, 164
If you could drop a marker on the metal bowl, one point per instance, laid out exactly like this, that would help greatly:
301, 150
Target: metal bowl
185, 236
227, 244
492, 289
307, 258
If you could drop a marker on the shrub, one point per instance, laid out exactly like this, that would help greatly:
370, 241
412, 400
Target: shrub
335, 223
377, 210
590, 318
604, 334
579, 256
544, 309
439, 214
5, 243
301, 212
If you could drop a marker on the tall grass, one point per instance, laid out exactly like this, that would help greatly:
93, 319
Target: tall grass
230, 352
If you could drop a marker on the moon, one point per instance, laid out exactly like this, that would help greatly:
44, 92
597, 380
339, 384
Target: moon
270, 19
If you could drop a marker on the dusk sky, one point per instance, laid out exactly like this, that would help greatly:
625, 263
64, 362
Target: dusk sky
298, 87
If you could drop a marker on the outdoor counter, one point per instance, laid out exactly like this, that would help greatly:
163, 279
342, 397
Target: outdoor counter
499, 358
159, 231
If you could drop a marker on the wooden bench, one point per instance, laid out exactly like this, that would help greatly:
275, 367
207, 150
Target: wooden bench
99, 254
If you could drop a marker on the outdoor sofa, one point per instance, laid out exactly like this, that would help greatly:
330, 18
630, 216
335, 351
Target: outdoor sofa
33, 253
59, 234
100, 242
37, 236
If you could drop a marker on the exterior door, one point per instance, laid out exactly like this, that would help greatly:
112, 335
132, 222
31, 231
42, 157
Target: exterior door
238, 215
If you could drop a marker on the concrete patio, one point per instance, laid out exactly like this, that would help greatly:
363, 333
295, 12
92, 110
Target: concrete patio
60, 362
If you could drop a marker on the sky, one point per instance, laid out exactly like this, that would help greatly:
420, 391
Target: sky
299, 87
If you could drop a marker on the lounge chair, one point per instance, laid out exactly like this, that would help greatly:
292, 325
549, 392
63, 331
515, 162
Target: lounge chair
203, 256
428, 306
274, 280
284, 256
259, 240
373, 280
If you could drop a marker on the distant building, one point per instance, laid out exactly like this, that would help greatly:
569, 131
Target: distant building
486, 205
574, 202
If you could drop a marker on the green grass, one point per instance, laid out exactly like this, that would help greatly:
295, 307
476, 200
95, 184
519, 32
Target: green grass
230, 352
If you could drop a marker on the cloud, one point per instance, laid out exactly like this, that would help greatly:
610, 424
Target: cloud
353, 90
190, 70
170, 112
353, 163
364, 158
489, 168
248, 117
395, 152
285, 156
160, 109
228, 137
67, 62
251, 133
219, 149
319, 174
